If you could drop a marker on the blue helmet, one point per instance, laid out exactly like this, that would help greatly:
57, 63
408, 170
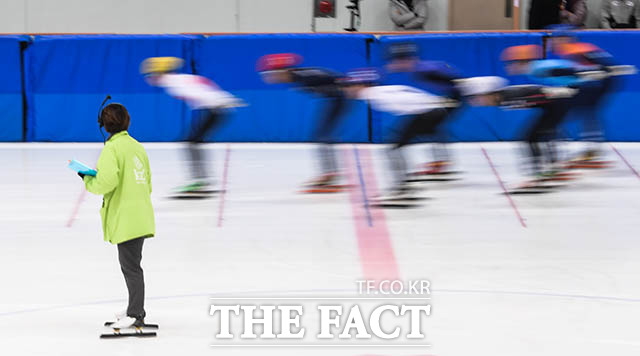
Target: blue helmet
562, 30
402, 50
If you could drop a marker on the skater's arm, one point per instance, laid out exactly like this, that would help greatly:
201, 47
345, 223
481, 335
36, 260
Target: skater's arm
313, 77
600, 58
106, 179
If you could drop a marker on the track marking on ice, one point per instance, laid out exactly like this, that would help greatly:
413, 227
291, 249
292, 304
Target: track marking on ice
377, 257
363, 187
504, 189
223, 193
633, 170
76, 207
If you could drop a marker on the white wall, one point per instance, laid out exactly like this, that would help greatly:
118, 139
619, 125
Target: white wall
174, 16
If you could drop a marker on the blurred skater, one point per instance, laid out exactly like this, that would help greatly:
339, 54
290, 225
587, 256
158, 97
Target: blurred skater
124, 178
425, 113
552, 105
209, 104
442, 80
594, 90
283, 68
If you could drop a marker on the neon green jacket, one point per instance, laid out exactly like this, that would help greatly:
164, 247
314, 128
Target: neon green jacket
124, 178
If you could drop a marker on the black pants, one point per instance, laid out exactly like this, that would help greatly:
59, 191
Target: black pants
328, 121
541, 134
205, 121
588, 105
425, 124
130, 256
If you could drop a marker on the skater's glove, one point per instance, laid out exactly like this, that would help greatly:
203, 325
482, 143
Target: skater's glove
81, 175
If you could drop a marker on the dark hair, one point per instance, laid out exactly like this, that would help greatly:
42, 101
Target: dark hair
116, 118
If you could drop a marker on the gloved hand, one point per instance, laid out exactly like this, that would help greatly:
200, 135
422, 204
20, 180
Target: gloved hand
81, 175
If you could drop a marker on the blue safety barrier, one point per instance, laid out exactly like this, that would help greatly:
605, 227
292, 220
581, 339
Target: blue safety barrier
279, 112
11, 103
67, 77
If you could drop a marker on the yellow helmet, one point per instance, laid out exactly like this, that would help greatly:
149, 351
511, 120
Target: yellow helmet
153, 65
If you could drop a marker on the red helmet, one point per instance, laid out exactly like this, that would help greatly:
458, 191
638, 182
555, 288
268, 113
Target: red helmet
278, 61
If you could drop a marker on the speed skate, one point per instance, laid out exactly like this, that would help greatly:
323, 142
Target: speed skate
146, 330
399, 198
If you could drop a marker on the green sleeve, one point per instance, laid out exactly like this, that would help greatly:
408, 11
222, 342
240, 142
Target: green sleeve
106, 179
149, 176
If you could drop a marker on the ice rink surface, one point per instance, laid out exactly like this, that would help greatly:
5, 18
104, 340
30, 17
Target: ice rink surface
551, 274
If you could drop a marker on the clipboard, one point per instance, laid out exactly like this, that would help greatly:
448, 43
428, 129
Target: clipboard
82, 168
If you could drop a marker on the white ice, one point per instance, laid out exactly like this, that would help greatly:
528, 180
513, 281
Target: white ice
566, 284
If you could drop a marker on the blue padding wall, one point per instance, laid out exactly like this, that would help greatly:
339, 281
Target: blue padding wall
472, 55
67, 77
11, 111
620, 110
276, 112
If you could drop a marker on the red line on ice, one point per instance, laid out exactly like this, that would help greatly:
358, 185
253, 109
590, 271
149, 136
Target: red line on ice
377, 257
633, 170
504, 189
223, 193
76, 208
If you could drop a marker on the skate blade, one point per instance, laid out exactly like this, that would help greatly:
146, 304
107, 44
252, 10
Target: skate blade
422, 179
195, 195
128, 332
589, 165
528, 191
559, 178
401, 203
532, 190
434, 173
145, 326
326, 189
394, 205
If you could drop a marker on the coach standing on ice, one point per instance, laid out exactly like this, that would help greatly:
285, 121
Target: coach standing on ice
124, 178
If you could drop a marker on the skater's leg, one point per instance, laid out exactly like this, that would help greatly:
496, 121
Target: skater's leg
434, 126
327, 158
552, 151
535, 155
324, 133
197, 161
398, 165
589, 103
205, 122
543, 132
417, 125
534, 137
440, 152
130, 256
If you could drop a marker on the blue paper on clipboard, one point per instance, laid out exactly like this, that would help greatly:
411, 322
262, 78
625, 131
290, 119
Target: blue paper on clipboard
82, 168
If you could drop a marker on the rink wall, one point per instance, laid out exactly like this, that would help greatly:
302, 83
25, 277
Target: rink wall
66, 77
11, 88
